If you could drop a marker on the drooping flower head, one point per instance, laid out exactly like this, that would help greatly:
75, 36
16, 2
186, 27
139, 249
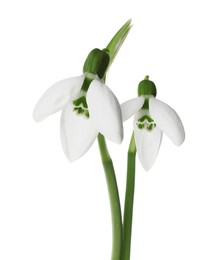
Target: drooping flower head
152, 118
88, 107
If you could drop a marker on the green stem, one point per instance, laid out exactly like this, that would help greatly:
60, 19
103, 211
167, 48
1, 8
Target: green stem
114, 199
129, 199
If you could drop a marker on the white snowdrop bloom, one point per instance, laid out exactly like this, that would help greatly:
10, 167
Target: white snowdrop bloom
88, 107
152, 118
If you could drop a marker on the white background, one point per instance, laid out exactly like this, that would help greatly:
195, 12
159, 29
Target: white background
52, 209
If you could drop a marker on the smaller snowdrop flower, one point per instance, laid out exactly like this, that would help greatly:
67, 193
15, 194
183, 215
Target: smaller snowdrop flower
88, 107
152, 117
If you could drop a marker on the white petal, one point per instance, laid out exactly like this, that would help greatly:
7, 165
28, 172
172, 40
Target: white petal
57, 96
131, 106
148, 144
105, 111
76, 132
167, 120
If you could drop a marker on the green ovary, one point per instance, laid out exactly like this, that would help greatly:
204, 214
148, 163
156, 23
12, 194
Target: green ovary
146, 122
80, 106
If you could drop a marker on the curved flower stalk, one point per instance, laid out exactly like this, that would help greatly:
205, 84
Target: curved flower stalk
88, 107
152, 118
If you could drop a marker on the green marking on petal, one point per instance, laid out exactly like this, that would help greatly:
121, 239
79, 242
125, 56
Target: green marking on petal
86, 113
146, 118
146, 122
80, 102
150, 127
80, 106
140, 126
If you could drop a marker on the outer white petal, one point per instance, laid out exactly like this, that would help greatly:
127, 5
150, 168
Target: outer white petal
147, 143
131, 106
76, 132
57, 96
167, 120
105, 111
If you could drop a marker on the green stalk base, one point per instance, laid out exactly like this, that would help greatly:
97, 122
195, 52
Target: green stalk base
129, 199
114, 199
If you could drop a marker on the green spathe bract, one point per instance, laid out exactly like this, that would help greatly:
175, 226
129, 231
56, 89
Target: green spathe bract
98, 61
147, 87
115, 44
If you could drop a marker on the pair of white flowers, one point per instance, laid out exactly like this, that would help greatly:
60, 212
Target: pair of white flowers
85, 113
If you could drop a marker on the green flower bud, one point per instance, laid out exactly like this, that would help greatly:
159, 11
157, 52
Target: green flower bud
97, 62
147, 87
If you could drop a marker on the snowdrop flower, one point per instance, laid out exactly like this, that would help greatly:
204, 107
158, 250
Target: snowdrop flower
152, 117
88, 107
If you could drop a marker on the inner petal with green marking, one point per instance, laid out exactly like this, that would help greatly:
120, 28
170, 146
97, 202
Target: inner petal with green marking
146, 122
81, 107
80, 104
